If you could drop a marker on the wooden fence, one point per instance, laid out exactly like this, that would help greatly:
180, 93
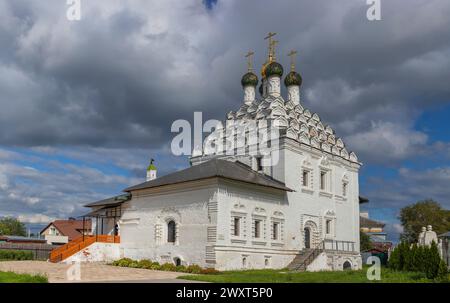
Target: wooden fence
40, 251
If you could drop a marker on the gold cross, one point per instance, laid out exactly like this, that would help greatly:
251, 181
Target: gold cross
271, 46
269, 36
274, 44
292, 55
249, 57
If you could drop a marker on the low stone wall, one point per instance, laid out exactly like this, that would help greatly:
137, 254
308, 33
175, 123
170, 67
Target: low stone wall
97, 252
334, 261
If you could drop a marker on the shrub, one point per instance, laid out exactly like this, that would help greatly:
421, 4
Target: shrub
193, 269
180, 268
19, 255
155, 266
134, 264
209, 271
146, 264
421, 259
393, 261
168, 267
433, 261
125, 262
442, 272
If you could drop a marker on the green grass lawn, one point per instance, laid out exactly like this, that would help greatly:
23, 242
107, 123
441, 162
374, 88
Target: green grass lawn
280, 276
10, 277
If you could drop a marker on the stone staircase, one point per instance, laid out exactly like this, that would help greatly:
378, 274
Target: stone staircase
299, 262
305, 257
63, 252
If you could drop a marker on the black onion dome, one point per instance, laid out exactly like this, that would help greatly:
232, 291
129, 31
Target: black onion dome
273, 69
249, 79
293, 78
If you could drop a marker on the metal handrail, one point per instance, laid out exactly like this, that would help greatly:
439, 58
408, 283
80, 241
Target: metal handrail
313, 254
321, 247
338, 245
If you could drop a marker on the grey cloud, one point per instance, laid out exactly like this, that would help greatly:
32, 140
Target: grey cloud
121, 75
410, 186
110, 85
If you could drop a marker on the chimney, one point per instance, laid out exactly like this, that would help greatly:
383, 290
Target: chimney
151, 171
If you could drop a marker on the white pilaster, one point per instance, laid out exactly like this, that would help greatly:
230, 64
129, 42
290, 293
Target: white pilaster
249, 94
294, 94
273, 86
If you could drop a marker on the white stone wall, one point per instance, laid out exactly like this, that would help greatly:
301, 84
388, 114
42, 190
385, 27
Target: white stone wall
304, 207
316, 205
204, 212
143, 227
334, 261
250, 202
96, 252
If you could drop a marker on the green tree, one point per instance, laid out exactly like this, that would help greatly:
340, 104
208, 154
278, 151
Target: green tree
423, 213
12, 227
393, 261
443, 271
410, 258
403, 251
419, 257
364, 241
433, 261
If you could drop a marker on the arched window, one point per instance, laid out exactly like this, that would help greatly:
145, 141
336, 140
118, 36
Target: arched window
171, 232
347, 265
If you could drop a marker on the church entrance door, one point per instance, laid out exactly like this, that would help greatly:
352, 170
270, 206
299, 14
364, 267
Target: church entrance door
307, 237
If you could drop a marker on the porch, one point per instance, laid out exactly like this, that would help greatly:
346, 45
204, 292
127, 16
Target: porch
105, 229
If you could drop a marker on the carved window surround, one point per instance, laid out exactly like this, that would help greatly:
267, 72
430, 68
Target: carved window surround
259, 243
326, 194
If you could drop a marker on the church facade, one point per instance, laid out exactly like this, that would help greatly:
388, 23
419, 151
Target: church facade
294, 205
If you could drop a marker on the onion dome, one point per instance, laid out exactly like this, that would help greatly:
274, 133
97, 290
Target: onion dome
249, 79
293, 78
151, 166
273, 69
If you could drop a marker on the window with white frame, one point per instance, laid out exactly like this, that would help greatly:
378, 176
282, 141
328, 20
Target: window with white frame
276, 227
257, 229
171, 232
306, 175
275, 230
323, 180
328, 226
237, 226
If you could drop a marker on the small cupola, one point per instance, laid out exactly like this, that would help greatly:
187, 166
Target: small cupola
151, 171
249, 81
272, 71
293, 81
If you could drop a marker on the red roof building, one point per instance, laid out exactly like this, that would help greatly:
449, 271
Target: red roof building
71, 228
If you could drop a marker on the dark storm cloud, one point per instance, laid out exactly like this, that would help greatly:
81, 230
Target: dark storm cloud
112, 83
128, 69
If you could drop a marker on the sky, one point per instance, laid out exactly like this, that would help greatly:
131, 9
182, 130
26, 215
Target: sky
85, 104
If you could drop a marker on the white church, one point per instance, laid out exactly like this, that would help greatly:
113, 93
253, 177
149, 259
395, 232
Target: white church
296, 205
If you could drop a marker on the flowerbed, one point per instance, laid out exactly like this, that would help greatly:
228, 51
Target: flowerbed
148, 264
